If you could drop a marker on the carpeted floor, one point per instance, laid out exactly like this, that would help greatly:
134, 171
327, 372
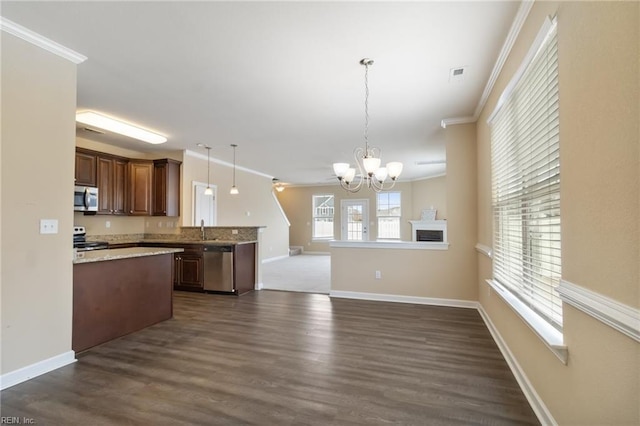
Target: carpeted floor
305, 273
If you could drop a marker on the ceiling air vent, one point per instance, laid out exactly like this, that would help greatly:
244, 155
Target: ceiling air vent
456, 75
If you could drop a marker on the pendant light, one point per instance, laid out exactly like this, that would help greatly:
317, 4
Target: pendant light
234, 189
367, 159
208, 191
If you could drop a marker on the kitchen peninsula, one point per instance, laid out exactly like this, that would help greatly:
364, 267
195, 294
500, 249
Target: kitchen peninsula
117, 292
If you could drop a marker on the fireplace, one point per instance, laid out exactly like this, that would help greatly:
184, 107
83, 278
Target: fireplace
429, 231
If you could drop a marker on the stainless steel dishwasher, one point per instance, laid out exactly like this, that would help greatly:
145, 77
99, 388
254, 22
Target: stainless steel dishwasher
218, 268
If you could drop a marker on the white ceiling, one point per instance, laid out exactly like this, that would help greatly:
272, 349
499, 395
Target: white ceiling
282, 80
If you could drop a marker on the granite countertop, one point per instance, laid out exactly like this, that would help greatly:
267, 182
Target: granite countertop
179, 241
124, 253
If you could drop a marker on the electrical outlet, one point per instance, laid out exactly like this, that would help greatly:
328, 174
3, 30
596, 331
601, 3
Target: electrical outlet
234, 231
48, 226
378, 275
107, 224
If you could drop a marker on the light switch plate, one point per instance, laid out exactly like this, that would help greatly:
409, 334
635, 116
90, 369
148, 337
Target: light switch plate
48, 226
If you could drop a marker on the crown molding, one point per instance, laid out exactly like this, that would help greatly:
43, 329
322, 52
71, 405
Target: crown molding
457, 120
512, 36
225, 163
40, 41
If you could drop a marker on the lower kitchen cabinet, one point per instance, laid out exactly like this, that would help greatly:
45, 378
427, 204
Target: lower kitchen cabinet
188, 270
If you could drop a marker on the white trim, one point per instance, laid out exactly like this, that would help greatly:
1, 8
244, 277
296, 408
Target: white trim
512, 36
545, 331
284, 215
453, 303
486, 250
259, 286
194, 154
316, 253
403, 245
531, 54
40, 41
39, 368
537, 404
457, 120
275, 258
621, 317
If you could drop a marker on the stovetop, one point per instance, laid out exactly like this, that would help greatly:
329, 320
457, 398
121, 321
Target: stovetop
80, 242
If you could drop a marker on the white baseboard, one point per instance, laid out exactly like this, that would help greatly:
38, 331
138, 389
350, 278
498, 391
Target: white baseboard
538, 406
273, 259
34, 370
453, 303
259, 286
320, 253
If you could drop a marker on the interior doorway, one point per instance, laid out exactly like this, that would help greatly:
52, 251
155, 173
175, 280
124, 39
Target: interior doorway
204, 206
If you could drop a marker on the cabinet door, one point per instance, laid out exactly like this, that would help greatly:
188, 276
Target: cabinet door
140, 180
85, 169
105, 179
119, 190
191, 271
166, 187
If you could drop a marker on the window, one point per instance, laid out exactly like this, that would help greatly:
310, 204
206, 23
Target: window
323, 216
388, 213
526, 183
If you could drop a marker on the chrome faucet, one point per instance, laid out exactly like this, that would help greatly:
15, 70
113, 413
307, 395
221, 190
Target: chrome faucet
202, 228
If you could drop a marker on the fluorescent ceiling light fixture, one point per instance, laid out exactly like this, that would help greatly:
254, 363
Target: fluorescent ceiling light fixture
116, 126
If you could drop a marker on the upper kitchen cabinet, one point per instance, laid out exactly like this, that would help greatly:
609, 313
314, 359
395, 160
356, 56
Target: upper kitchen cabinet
166, 187
86, 162
112, 184
140, 187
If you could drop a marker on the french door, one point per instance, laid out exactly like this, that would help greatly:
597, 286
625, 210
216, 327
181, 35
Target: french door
355, 220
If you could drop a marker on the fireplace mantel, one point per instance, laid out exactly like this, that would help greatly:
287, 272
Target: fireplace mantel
438, 227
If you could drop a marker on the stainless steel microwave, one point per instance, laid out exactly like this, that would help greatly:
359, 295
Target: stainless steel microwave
85, 199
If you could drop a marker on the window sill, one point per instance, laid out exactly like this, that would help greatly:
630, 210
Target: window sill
551, 337
389, 244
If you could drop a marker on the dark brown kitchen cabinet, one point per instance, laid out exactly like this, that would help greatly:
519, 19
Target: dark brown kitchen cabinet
188, 270
112, 184
166, 187
86, 162
140, 187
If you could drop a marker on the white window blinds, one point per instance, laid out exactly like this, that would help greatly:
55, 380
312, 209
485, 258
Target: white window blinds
526, 185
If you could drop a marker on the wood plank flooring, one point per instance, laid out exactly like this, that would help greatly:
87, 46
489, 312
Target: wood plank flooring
281, 358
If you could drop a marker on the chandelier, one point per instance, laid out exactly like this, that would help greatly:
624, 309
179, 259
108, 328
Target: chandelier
367, 159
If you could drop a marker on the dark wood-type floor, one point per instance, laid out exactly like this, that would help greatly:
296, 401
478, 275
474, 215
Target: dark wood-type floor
280, 358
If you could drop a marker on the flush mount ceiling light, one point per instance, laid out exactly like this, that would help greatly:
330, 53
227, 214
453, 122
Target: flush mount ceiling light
368, 158
278, 186
234, 190
118, 126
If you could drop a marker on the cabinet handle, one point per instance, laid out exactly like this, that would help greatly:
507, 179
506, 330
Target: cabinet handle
131, 211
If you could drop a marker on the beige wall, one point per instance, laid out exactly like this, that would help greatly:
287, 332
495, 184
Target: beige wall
598, 45
255, 205
38, 132
427, 193
416, 196
449, 274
